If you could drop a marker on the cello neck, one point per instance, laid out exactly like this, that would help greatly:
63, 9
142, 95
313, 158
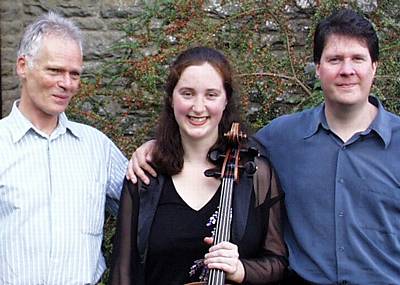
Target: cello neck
223, 226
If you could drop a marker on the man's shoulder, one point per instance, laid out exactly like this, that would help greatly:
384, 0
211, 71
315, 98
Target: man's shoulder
85, 130
393, 121
286, 123
294, 118
393, 118
5, 124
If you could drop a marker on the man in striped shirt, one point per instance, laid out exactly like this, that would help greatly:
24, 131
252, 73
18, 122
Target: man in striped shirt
55, 174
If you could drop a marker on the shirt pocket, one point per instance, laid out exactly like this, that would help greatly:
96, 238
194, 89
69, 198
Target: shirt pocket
9, 198
381, 205
10, 203
94, 207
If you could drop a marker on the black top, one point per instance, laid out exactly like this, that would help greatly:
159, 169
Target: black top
176, 238
257, 208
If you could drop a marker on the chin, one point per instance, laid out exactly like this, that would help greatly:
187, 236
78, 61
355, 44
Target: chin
56, 111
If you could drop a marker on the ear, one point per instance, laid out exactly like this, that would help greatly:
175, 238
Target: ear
317, 66
22, 66
374, 67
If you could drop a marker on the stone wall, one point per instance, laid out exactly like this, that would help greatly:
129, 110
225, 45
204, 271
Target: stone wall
97, 18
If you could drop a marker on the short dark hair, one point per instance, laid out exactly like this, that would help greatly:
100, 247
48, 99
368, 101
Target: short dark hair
168, 153
346, 22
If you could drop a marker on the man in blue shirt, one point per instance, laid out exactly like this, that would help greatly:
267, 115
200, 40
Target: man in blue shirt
339, 166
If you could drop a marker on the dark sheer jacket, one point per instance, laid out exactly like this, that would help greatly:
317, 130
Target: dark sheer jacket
257, 200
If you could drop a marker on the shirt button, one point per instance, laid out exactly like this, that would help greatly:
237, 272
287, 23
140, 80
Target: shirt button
344, 282
341, 213
341, 180
341, 248
343, 147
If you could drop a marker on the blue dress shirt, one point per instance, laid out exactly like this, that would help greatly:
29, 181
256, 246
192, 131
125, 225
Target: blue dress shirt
342, 199
53, 191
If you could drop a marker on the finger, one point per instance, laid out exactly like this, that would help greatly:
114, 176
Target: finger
140, 165
138, 170
223, 245
229, 265
147, 166
141, 160
223, 253
130, 174
222, 266
208, 240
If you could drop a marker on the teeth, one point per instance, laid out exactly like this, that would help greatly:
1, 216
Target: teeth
198, 119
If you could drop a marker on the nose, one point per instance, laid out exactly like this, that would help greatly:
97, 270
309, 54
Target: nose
198, 104
347, 68
65, 81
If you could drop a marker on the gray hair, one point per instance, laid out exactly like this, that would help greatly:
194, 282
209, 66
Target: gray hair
52, 24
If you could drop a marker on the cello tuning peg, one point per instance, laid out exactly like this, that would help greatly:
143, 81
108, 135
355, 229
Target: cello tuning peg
250, 151
214, 172
215, 156
250, 167
253, 151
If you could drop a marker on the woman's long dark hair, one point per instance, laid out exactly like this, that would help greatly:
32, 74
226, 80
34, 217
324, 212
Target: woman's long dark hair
168, 153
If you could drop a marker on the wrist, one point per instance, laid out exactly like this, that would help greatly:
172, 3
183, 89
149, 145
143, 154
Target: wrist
238, 275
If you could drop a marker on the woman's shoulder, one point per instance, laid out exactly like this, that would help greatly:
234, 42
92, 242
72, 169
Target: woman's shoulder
140, 187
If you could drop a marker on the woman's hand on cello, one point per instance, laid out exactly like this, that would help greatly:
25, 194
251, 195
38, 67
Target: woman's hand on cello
225, 256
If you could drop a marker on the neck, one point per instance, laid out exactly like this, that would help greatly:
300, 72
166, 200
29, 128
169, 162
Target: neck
345, 121
195, 154
196, 151
42, 121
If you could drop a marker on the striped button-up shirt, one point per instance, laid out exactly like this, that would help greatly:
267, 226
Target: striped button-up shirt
53, 191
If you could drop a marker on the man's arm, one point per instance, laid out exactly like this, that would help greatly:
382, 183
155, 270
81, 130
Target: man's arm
139, 163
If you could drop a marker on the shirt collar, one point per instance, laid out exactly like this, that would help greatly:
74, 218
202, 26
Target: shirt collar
21, 125
316, 121
380, 124
69, 125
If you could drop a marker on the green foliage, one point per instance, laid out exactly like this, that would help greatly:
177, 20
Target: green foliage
268, 42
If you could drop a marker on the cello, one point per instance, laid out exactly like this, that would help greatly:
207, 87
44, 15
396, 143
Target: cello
229, 174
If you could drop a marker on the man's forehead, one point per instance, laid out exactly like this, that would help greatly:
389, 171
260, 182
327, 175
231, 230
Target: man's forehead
335, 38
59, 43
344, 44
60, 52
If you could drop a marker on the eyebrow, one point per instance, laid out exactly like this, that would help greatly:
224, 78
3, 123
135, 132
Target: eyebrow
192, 89
62, 68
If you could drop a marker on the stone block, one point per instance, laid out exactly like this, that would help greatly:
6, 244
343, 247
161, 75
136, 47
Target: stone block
98, 44
120, 9
9, 83
8, 98
10, 10
8, 56
7, 69
11, 32
72, 8
90, 23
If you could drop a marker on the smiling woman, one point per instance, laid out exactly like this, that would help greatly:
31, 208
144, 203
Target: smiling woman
199, 100
181, 203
